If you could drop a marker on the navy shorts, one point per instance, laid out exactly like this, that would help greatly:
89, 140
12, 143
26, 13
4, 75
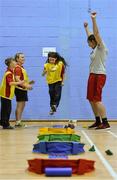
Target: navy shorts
21, 95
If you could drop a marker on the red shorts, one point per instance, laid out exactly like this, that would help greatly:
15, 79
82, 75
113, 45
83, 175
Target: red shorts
94, 88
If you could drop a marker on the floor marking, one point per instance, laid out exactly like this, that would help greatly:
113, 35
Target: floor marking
104, 161
113, 134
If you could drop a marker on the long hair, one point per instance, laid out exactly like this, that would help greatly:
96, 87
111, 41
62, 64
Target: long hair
58, 57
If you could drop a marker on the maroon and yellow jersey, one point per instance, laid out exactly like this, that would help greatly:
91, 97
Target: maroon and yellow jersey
7, 91
21, 72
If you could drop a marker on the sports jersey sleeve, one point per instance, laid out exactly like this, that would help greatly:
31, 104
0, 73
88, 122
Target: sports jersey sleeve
46, 66
9, 78
18, 71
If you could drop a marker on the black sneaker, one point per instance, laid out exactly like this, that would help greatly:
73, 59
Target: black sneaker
94, 125
69, 126
53, 108
103, 126
51, 112
8, 127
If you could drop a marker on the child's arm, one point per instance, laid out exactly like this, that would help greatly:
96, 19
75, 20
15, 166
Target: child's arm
24, 84
44, 72
63, 79
11, 81
95, 29
14, 83
87, 29
63, 74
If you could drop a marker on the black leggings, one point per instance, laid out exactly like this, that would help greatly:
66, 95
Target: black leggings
5, 111
55, 90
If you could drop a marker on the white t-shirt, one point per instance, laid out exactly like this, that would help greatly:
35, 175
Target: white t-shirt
98, 58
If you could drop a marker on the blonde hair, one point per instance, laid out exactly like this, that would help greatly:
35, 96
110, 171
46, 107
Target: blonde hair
9, 60
18, 55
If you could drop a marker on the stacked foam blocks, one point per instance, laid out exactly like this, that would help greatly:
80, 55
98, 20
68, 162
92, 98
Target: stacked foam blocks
56, 141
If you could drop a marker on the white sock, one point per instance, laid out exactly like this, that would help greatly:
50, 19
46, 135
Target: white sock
18, 122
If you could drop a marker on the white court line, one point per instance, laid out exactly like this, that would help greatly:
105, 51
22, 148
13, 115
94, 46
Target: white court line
104, 161
113, 134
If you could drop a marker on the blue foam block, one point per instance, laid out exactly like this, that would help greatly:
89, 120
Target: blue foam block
58, 171
57, 156
57, 126
77, 148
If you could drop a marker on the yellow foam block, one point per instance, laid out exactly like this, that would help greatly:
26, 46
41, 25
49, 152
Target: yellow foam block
56, 131
85, 126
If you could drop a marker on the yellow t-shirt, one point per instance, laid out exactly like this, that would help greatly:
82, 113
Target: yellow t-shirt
53, 74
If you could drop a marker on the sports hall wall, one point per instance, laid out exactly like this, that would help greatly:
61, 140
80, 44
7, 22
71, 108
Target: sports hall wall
30, 25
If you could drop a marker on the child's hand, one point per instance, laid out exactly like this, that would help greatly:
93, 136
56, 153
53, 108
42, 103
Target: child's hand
31, 82
85, 24
29, 87
43, 74
93, 15
62, 84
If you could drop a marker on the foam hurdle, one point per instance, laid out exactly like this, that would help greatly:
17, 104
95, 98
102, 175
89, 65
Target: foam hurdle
58, 171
